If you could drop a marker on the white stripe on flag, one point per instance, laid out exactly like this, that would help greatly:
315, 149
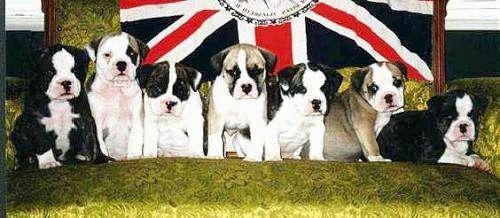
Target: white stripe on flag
246, 32
416, 6
167, 31
155, 11
384, 33
187, 46
299, 40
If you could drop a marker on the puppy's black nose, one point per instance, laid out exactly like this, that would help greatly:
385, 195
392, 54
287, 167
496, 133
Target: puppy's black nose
388, 98
463, 128
246, 88
316, 103
66, 85
121, 66
170, 104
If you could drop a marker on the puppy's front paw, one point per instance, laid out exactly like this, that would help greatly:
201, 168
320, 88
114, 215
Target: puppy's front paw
252, 159
100, 159
83, 158
50, 164
317, 158
482, 165
273, 158
377, 158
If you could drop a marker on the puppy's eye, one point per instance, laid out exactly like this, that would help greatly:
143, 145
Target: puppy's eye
300, 89
107, 54
132, 53
233, 72
372, 88
256, 71
397, 82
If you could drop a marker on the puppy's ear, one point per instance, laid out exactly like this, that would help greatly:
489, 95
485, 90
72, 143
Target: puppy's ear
333, 79
286, 75
218, 59
481, 102
143, 48
358, 77
82, 60
91, 48
143, 73
193, 77
270, 60
435, 104
402, 68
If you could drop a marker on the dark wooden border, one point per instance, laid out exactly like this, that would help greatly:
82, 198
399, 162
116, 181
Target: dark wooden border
438, 52
50, 23
438, 38
3, 135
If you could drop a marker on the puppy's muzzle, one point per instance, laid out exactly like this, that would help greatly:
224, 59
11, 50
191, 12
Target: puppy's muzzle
316, 105
388, 99
66, 84
170, 105
121, 66
246, 88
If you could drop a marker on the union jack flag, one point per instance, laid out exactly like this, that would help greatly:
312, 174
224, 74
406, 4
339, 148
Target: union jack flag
338, 33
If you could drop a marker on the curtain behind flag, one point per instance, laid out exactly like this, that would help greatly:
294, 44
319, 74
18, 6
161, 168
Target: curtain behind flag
339, 33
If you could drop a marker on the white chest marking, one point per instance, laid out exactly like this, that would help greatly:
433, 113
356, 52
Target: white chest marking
61, 122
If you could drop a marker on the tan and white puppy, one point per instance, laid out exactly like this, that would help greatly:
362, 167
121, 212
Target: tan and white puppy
238, 101
173, 120
360, 112
115, 96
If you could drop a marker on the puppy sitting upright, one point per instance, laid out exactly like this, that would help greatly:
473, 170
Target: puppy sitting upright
115, 96
173, 112
296, 111
441, 134
359, 112
56, 125
238, 101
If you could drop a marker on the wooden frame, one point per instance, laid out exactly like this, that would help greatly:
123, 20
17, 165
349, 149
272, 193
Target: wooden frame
438, 38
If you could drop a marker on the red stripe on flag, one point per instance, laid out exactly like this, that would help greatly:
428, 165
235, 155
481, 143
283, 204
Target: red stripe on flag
349, 21
125, 4
276, 39
178, 36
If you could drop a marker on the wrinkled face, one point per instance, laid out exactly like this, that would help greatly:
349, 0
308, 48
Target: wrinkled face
170, 86
61, 72
244, 68
117, 57
383, 87
309, 87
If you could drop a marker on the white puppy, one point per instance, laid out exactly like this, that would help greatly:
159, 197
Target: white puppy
296, 109
115, 96
173, 112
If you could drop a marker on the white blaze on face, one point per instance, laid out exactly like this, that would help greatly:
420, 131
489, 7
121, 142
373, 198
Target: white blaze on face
383, 78
63, 62
463, 106
111, 51
160, 104
244, 79
312, 81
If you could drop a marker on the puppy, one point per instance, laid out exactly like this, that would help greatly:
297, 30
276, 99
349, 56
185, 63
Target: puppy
115, 96
441, 134
238, 101
297, 110
359, 112
56, 125
173, 112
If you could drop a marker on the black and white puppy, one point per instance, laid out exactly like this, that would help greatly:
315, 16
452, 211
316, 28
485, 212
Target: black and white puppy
238, 101
173, 112
441, 134
56, 125
296, 110
115, 96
